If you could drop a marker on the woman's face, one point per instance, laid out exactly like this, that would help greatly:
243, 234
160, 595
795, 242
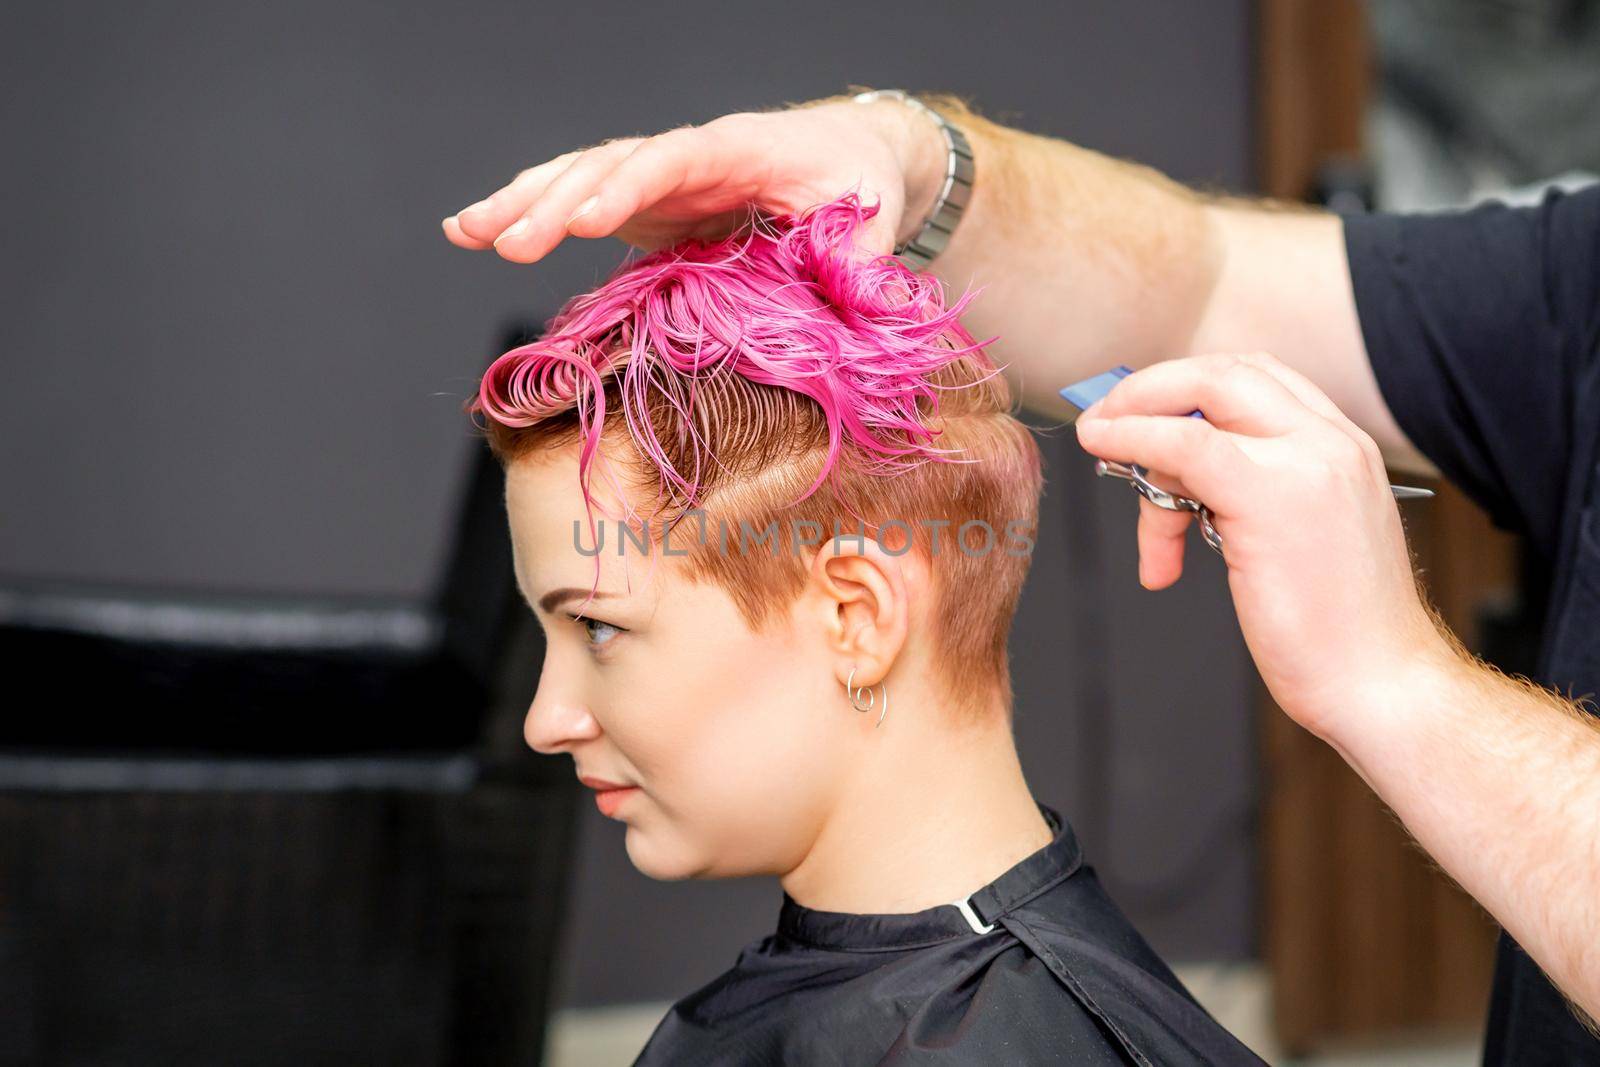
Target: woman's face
738, 742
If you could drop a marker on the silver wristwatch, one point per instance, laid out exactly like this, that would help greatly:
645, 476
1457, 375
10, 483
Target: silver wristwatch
954, 194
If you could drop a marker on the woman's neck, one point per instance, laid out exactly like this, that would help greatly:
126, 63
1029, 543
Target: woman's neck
934, 814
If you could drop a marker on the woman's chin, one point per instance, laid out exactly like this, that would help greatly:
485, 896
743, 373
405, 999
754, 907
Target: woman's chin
663, 865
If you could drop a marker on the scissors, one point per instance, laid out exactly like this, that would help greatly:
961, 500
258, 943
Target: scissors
1086, 392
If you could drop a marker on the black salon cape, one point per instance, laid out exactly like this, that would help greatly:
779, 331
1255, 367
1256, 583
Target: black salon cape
1062, 978
1483, 328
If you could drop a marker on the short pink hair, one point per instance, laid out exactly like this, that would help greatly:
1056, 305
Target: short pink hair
778, 374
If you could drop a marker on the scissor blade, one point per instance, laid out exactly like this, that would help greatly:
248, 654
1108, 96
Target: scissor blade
1410, 492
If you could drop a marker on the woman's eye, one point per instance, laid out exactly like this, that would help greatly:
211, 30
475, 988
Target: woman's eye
600, 633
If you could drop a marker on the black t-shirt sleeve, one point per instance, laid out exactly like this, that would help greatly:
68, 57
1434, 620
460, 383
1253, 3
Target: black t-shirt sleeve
1479, 325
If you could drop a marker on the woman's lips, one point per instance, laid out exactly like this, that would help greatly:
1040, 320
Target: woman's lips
609, 800
608, 795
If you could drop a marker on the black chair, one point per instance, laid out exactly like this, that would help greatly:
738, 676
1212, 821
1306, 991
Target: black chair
258, 831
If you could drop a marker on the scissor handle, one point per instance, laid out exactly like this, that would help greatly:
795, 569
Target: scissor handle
1139, 478
1208, 529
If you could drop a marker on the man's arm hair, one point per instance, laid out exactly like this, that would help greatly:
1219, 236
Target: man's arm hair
1498, 779
1091, 261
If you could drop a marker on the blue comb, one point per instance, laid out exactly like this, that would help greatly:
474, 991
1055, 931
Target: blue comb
1081, 394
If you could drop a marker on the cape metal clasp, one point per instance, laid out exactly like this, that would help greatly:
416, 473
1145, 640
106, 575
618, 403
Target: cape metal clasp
965, 906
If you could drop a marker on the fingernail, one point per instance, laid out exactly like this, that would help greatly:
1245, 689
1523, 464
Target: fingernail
516, 229
482, 207
583, 209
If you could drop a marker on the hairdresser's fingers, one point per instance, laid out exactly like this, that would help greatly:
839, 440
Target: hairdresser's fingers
480, 223
1202, 457
1302, 387
702, 181
708, 171
1161, 543
1314, 398
488, 218
543, 224
456, 236
1231, 393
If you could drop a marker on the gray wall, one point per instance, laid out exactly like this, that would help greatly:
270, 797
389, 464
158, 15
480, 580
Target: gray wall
236, 346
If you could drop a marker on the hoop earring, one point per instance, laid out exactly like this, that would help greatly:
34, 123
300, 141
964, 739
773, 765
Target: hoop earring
855, 696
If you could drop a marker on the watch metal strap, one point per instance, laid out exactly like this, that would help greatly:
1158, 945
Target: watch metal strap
954, 193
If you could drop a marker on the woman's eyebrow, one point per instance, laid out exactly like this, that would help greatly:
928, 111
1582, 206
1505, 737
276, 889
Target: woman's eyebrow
555, 597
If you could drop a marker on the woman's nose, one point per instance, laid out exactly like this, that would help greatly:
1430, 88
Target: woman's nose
555, 724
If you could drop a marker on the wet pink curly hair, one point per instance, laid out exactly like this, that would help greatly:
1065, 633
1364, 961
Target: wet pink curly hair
778, 375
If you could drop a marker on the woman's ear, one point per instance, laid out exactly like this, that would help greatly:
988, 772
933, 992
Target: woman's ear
864, 593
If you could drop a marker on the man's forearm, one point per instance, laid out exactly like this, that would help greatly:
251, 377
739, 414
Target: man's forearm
1086, 261
1500, 782
1089, 261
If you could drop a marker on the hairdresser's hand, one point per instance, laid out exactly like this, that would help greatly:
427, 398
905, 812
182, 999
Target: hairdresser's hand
699, 181
1317, 559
